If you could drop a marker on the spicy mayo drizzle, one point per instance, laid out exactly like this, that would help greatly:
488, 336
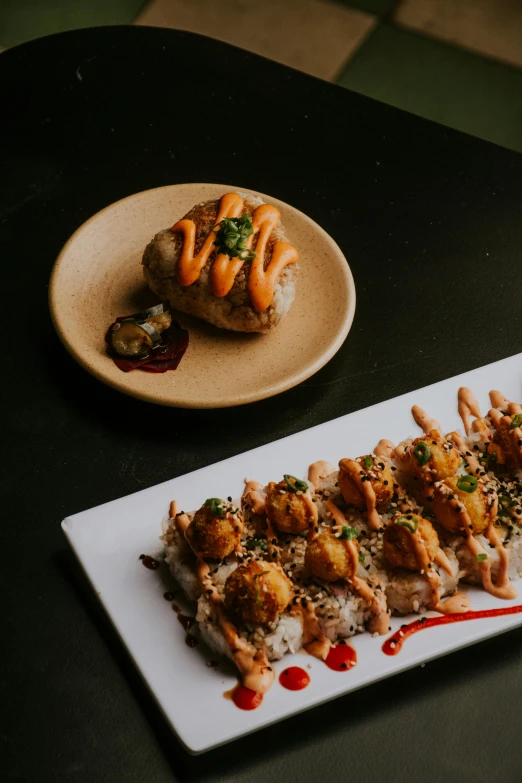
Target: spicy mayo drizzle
379, 621
318, 471
424, 420
467, 407
261, 278
354, 470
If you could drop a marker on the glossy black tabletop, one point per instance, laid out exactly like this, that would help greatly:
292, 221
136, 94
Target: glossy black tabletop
430, 221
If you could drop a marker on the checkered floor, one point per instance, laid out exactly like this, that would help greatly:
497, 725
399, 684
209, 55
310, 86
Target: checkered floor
455, 61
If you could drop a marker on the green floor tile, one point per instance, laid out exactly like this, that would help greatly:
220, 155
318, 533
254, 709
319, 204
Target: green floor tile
441, 83
21, 20
379, 7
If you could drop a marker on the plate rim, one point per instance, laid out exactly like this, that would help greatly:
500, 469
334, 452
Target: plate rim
161, 399
74, 524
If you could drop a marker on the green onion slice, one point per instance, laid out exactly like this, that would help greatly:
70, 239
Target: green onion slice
349, 533
295, 484
505, 501
422, 453
216, 507
408, 521
256, 543
467, 483
362, 557
493, 457
256, 577
232, 235
481, 558
367, 462
516, 421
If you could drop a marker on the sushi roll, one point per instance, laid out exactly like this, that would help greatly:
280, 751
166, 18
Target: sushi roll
227, 261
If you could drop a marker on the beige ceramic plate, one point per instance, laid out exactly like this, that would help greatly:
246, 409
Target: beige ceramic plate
98, 276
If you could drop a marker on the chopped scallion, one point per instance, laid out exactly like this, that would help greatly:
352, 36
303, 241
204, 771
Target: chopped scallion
408, 521
349, 533
422, 453
295, 484
467, 483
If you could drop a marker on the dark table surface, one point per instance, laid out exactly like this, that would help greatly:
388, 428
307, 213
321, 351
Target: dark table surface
430, 221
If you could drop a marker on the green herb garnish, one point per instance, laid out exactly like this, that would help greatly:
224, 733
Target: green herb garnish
256, 577
422, 453
256, 543
349, 533
408, 521
467, 483
367, 462
493, 457
295, 484
216, 507
362, 557
505, 501
481, 558
516, 421
232, 235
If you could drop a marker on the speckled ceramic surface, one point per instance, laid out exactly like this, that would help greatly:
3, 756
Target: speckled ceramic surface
98, 276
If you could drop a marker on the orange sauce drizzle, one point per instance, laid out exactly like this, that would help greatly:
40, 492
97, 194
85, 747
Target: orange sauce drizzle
261, 280
384, 448
498, 400
424, 420
380, 620
468, 406
354, 470
319, 470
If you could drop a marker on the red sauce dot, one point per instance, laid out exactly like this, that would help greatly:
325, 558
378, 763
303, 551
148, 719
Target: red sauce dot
294, 678
341, 658
246, 699
150, 562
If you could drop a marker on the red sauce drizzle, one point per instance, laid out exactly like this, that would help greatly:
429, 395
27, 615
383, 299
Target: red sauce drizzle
150, 562
394, 644
186, 622
341, 658
246, 699
294, 678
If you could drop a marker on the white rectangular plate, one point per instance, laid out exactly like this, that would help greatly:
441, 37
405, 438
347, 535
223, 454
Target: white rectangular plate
108, 540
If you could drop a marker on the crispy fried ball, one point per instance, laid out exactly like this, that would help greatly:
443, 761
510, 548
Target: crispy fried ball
399, 543
215, 531
287, 511
476, 503
379, 475
257, 593
327, 558
432, 457
510, 451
